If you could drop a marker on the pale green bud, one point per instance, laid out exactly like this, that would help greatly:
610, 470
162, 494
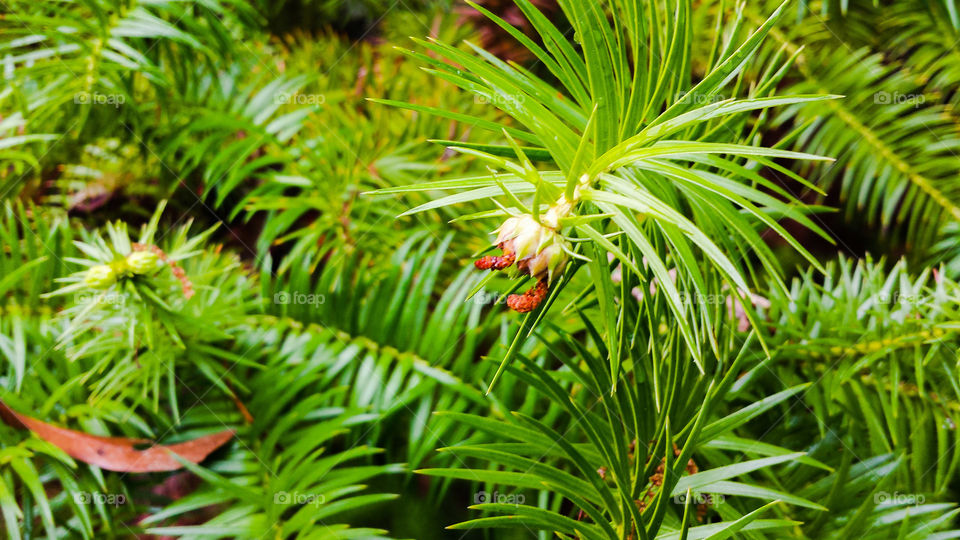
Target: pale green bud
556, 260
527, 241
142, 262
538, 249
549, 261
537, 265
101, 276
507, 231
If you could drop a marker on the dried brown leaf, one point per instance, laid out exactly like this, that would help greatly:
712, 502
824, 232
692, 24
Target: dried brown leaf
118, 453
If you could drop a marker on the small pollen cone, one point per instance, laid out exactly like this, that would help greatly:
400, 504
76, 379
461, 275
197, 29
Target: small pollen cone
491, 262
537, 250
528, 301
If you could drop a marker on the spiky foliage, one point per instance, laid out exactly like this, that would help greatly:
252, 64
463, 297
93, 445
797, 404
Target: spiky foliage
407, 347
640, 147
879, 345
336, 146
656, 170
894, 135
67, 60
882, 342
622, 464
493, 37
143, 359
598, 80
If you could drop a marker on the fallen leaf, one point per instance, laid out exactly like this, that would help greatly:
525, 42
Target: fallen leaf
117, 453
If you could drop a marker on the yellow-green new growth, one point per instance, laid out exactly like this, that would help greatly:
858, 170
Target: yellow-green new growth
101, 276
143, 262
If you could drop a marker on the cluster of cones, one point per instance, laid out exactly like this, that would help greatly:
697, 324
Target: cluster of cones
537, 251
